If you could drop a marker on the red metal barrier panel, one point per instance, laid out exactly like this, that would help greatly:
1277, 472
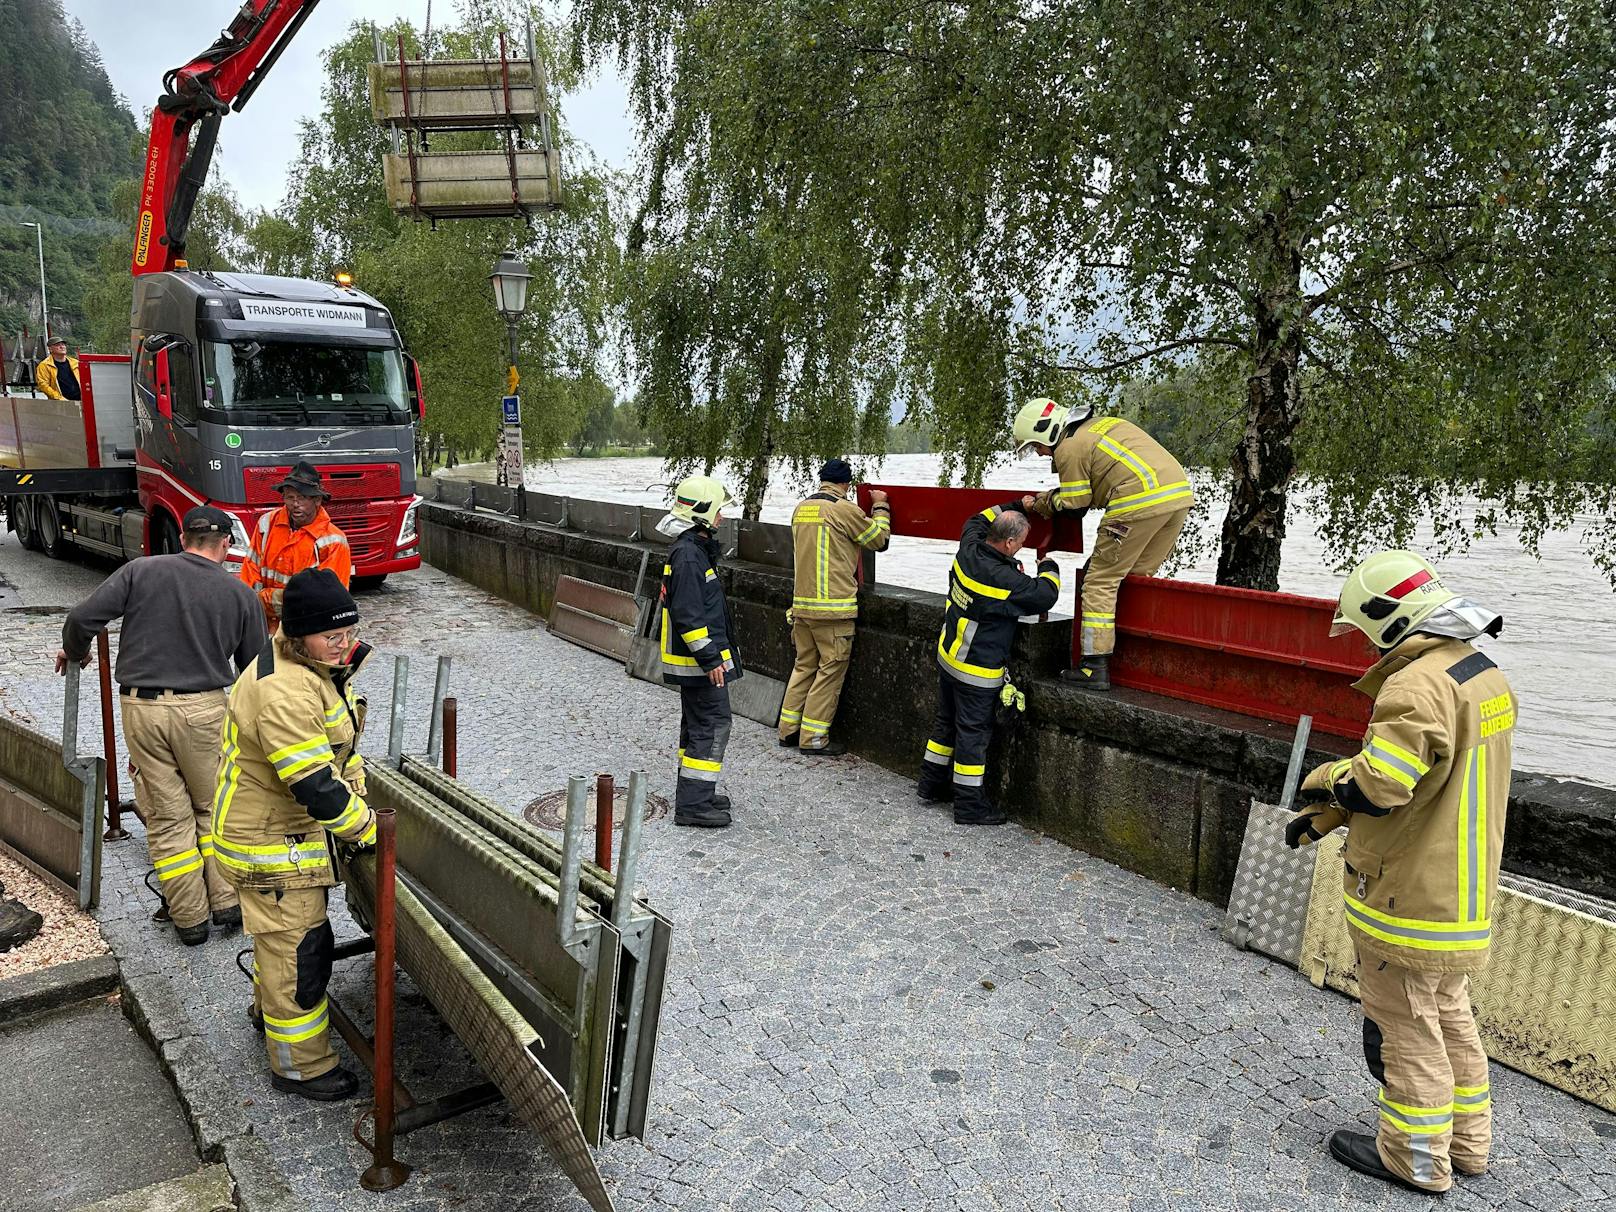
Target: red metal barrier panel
1269, 655
928, 512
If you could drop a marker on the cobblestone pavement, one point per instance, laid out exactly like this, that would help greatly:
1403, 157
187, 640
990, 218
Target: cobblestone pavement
868, 1007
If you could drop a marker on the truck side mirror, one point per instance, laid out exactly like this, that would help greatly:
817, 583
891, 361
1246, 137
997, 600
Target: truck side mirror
165, 397
417, 392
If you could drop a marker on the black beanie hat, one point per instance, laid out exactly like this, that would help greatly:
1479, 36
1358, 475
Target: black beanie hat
836, 471
315, 601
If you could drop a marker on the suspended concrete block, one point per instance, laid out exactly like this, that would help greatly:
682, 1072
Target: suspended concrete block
472, 184
450, 94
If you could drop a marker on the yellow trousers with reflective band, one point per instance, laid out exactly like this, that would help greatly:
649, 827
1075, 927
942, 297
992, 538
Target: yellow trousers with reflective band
173, 746
824, 652
1434, 1101
1120, 549
292, 948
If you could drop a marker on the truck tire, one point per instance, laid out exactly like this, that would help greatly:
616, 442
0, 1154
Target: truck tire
361, 584
22, 514
48, 523
165, 535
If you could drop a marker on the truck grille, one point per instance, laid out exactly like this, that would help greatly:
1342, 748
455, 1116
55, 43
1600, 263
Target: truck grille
370, 527
344, 481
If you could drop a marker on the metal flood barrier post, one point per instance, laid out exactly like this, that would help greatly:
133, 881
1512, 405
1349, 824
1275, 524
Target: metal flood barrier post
109, 741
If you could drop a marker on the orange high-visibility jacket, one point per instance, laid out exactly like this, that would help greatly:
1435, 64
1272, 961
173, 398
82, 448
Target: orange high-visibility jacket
279, 552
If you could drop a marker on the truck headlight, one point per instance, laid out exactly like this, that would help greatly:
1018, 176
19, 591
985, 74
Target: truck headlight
406, 532
240, 544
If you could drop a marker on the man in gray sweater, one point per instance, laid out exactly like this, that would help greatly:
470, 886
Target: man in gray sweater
185, 619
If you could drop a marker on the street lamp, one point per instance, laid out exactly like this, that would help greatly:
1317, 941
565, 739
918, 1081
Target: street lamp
510, 279
44, 307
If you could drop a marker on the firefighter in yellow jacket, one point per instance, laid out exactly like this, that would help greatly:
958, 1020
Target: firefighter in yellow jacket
828, 532
1424, 804
1113, 464
291, 785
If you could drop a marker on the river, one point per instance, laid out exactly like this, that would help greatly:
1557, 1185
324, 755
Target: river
1560, 613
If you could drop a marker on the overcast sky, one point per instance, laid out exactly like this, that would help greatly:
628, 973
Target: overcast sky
140, 41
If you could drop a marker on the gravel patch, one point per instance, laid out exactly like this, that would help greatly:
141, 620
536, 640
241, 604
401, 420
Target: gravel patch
68, 933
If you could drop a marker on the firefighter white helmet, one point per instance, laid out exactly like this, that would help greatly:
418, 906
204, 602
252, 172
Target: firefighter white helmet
1041, 422
1388, 596
699, 499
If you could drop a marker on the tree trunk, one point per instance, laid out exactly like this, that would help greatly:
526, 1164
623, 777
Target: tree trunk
757, 468
1264, 460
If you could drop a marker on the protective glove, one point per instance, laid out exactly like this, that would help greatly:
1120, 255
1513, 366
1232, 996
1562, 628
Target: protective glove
353, 774
1309, 826
1044, 504
1319, 786
1012, 699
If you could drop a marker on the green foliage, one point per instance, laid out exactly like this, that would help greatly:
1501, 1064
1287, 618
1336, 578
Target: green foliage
1393, 223
65, 138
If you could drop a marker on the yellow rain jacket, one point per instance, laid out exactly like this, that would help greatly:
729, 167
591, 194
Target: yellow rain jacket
290, 776
827, 531
1115, 465
1425, 801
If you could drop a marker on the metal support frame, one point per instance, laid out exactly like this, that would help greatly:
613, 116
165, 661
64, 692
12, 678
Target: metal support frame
395, 723
89, 772
385, 1172
440, 688
109, 741
568, 933
1293, 769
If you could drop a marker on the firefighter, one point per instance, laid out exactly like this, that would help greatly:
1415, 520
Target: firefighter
290, 787
827, 531
1424, 804
987, 593
185, 620
1111, 463
698, 653
298, 535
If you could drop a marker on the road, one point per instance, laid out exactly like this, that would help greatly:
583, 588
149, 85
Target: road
868, 1007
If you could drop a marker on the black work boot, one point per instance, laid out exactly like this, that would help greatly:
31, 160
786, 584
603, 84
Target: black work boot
939, 793
721, 802
256, 1019
228, 919
979, 812
193, 936
789, 742
1357, 1151
327, 1088
18, 924
828, 749
1092, 673
707, 816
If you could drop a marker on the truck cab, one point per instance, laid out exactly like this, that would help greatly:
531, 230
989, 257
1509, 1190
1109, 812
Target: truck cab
239, 376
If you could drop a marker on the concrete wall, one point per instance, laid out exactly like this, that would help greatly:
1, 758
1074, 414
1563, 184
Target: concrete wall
1155, 785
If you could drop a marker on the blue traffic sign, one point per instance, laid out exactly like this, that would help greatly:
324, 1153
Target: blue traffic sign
513, 409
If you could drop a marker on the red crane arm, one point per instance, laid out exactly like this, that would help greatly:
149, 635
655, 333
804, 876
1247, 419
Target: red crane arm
195, 98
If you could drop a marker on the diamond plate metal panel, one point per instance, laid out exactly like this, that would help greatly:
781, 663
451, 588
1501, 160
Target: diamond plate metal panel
1268, 904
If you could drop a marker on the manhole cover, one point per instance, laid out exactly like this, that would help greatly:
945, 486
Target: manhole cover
549, 811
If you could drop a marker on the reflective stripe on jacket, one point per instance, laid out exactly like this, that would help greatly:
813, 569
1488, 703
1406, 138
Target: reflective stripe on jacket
987, 593
285, 773
1427, 796
1114, 465
827, 531
695, 620
279, 552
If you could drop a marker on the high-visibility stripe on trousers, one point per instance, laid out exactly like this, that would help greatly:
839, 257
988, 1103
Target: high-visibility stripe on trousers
1121, 548
174, 748
704, 724
1421, 1044
958, 749
292, 954
824, 652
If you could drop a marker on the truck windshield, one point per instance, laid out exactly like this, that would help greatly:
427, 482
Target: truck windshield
261, 377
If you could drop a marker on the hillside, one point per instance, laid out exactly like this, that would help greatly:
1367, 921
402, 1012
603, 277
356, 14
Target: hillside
66, 139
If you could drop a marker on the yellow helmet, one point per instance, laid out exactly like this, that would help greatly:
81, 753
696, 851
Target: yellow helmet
699, 499
1387, 596
1042, 421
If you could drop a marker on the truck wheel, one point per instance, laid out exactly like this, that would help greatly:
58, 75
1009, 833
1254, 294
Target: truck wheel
361, 584
48, 521
165, 539
22, 514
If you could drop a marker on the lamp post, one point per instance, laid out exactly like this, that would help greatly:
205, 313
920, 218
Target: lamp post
510, 279
44, 307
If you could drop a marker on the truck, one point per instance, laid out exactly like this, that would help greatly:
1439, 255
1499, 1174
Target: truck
230, 378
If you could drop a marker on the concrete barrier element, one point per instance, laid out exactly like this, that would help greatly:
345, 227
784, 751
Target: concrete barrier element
1159, 786
31, 993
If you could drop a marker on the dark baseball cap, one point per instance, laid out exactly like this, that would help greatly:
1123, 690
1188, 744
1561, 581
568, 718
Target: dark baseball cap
205, 519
